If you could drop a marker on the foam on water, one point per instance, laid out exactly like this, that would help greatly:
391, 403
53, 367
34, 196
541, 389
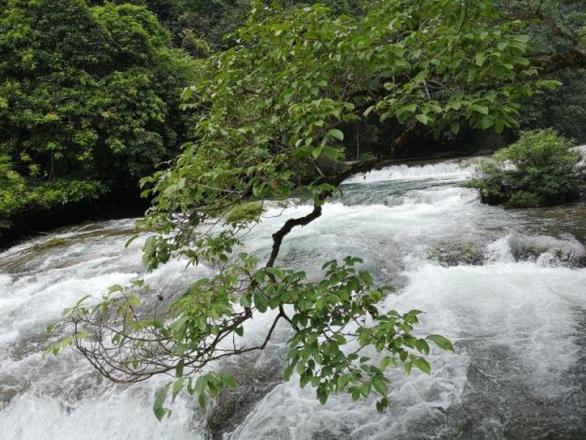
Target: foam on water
66, 397
529, 310
121, 415
442, 170
544, 249
518, 325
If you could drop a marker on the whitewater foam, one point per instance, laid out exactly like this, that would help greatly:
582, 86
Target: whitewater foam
516, 325
511, 305
442, 170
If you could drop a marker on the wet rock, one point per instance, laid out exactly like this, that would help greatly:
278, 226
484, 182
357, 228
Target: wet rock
28, 256
548, 251
457, 253
255, 377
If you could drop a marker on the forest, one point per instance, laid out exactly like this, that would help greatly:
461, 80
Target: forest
296, 219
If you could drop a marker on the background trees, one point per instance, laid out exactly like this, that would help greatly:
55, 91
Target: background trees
90, 90
88, 100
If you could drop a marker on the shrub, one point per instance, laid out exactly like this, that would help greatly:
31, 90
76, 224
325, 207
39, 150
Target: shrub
540, 169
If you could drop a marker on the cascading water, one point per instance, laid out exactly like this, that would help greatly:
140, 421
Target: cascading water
505, 286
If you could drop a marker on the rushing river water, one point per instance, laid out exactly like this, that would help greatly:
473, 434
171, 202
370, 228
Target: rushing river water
508, 287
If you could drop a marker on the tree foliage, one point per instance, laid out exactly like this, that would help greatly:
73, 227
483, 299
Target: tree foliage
540, 169
556, 27
560, 108
215, 21
88, 98
274, 111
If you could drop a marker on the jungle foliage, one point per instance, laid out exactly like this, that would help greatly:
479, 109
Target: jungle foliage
89, 100
554, 27
90, 89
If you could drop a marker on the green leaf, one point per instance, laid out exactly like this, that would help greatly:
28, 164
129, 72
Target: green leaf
201, 398
380, 386
479, 59
423, 118
228, 381
522, 38
382, 404
422, 346
499, 125
366, 277
441, 342
549, 84
331, 153
160, 398
369, 110
422, 364
385, 362
479, 108
179, 368
486, 122
289, 371
335, 133
322, 396
411, 108
316, 152
177, 387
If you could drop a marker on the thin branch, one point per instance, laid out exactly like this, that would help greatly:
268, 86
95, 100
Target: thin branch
287, 227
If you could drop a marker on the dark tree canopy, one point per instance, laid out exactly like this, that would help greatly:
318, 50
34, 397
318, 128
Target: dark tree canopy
88, 100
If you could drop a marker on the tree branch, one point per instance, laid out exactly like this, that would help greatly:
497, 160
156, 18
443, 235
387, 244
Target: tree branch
287, 227
369, 164
561, 60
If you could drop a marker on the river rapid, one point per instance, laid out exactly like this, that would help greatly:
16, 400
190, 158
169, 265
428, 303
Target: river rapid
507, 287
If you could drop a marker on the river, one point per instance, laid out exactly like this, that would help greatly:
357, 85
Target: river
507, 287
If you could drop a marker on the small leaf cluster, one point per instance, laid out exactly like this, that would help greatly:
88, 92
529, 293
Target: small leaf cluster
18, 196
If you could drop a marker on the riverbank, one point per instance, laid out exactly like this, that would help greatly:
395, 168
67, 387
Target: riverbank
115, 205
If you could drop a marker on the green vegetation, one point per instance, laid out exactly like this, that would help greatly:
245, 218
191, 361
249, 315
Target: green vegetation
88, 100
17, 195
556, 27
90, 89
276, 108
562, 108
539, 169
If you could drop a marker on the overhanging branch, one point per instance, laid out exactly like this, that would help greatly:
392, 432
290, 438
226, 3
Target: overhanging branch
287, 227
574, 59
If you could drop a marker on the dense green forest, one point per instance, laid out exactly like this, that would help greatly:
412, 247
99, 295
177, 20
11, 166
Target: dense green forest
91, 91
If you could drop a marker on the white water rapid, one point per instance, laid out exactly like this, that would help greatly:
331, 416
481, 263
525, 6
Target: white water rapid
508, 287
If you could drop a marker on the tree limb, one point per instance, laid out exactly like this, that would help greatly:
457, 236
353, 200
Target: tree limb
561, 60
287, 227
